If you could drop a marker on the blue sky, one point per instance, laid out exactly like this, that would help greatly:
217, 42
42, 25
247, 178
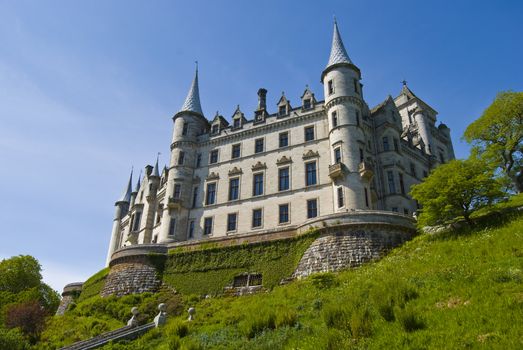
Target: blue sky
87, 90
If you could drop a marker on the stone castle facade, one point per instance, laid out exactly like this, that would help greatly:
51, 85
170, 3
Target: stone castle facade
272, 172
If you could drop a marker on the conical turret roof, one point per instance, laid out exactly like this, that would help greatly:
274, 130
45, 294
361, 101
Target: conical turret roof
338, 52
192, 101
138, 183
126, 195
156, 171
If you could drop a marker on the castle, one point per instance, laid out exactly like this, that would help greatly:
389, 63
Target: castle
273, 172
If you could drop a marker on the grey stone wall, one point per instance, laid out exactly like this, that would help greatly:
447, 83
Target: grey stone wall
131, 277
350, 246
69, 294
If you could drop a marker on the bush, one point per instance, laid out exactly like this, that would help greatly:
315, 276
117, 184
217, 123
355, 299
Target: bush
29, 317
12, 339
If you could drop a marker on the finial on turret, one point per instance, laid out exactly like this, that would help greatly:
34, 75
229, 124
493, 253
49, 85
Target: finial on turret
156, 171
404, 82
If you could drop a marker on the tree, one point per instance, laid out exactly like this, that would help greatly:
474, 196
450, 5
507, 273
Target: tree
498, 135
29, 317
19, 273
456, 189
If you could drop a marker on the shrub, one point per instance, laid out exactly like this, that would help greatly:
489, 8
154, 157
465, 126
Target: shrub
29, 317
177, 327
12, 339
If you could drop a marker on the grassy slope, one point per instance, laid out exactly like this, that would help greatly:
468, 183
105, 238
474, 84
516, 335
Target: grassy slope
434, 292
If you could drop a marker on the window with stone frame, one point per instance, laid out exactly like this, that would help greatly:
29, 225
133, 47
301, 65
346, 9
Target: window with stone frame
402, 184
366, 192
181, 157
191, 229
312, 208
386, 146
215, 129
283, 213
198, 160
390, 180
210, 197
307, 103
236, 149
172, 226
396, 144
413, 169
334, 119
340, 197
234, 188
194, 196
232, 221
310, 174
136, 221
284, 139
207, 225
282, 110
213, 158
283, 179
236, 123
257, 186
330, 86
258, 145
309, 133
257, 218
185, 128
177, 190
337, 155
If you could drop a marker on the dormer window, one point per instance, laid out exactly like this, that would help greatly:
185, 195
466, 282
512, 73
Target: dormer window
307, 103
215, 129
331, 87
282, 110
236, 123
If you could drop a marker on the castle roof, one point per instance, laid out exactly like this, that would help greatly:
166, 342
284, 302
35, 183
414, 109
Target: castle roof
126, 195
338, 52
192, 101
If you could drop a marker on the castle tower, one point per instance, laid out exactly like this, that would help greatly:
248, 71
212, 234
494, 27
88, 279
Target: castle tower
188, 123
344, 105
149, 206
121, 209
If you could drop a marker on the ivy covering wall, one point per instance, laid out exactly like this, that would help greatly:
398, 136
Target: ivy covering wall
209, 270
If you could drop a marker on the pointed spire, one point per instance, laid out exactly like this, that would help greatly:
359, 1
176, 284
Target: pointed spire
126, 195
138, 183
406, 91
338, 52
156, 171
192, 101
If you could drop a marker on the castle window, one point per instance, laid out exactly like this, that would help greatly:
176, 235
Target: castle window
355, 81
330, 84
282, 110
258, 145
257, 218
181, 157
194, 196
337, 155
191, 229
257, 189
396, 144
177, 190
402, 184
231, 222
361, 155
136, 223
214, 156
207, 226
395, 209
211, 194
309, 133
185, 127
357, 118
310, 171
198, 160
334, 118
312, 208
172, 226
441, 157
236, 123
283, 179
215, 129
307, 103
366, 197
284, 213
385, 143
284, 139
390, 180
236, 151
340, 197
234, 185
413, 169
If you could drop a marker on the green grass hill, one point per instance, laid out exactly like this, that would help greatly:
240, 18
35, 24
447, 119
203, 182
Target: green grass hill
451, 290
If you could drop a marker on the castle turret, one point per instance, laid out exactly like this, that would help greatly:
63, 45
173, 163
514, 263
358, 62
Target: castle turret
134, 193
344, 105
121, 209
149, 206
188, 123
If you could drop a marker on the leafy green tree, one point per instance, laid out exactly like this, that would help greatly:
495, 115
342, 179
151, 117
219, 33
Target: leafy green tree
456, 189
498, 135
19, 273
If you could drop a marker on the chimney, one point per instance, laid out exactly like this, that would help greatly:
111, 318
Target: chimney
262, 99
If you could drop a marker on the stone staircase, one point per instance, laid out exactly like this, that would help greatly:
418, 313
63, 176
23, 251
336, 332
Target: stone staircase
127, 332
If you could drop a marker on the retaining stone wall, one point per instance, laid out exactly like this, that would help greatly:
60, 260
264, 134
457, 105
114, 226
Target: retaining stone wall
350, 246
131, 277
